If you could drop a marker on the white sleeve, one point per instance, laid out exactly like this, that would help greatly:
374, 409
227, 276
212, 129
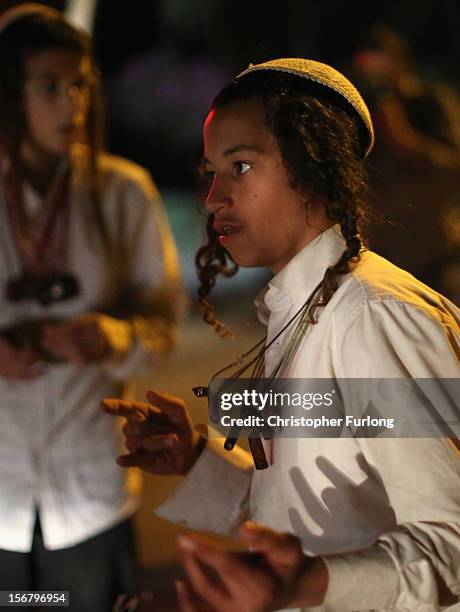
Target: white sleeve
214, 496
417, 565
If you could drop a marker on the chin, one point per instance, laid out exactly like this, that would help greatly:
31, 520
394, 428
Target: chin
59, 150
247, 258
244, 261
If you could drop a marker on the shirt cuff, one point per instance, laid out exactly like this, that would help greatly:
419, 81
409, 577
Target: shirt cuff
199, 501
363, 580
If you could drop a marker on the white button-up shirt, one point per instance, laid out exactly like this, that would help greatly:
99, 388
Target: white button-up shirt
57, 449
385, 513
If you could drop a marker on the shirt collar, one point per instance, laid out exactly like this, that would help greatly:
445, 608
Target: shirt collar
293, 283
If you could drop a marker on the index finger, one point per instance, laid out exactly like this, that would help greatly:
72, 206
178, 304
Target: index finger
134, 411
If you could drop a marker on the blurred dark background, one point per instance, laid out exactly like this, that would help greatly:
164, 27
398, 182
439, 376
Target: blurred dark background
163, 60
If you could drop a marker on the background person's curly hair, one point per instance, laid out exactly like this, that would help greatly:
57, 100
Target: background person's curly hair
321, 143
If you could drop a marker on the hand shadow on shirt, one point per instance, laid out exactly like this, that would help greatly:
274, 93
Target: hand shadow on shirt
346, 508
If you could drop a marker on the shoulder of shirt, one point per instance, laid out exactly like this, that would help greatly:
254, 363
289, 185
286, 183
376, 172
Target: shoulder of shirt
123, 168
114, 168
375, 282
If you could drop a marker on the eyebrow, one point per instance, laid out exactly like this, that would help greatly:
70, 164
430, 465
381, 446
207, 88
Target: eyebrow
45, 76
237, 149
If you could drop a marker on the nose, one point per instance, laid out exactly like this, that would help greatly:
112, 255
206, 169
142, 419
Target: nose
73, 100
219, 195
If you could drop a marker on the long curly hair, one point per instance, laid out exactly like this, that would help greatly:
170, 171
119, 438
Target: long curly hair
321, 141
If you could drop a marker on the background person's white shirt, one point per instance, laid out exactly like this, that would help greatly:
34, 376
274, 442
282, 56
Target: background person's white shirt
57, 449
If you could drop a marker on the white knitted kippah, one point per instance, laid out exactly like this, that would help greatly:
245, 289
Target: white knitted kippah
328, 77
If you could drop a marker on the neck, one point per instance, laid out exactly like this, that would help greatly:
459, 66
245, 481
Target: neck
314, 227
38, 167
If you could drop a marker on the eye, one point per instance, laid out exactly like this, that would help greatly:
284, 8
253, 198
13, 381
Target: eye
50, 88
242, 167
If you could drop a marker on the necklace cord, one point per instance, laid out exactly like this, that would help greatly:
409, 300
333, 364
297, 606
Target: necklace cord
255, 442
